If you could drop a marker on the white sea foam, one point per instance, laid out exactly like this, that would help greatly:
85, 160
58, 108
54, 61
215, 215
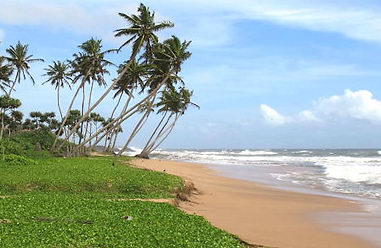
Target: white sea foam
355, 173
340, 171
256, 153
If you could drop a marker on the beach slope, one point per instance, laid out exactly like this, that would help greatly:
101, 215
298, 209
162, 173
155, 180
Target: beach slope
258, 214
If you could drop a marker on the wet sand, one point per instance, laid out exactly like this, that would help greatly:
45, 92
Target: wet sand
259, 214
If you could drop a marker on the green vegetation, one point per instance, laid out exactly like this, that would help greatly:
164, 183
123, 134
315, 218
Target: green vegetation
63, 220
47, 201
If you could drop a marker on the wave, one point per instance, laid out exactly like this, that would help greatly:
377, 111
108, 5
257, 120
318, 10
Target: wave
256, 153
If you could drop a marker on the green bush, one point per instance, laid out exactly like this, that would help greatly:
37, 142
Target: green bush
13, 159
41, 139
11, 147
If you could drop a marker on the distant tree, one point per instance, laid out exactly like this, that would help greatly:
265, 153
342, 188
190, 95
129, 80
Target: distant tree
20, 60
59, 75
7, 103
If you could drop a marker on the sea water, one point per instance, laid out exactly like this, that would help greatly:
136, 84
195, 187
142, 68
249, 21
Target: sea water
354, 172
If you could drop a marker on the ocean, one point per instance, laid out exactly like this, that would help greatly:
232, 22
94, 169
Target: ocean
354, 172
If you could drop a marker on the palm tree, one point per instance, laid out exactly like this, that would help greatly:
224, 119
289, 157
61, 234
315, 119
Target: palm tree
59, 75
89, 65
134, 78
141, 32
175, 103
167, 57
20, 59
5, 73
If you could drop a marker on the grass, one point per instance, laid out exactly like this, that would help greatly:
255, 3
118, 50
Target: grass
92, 175
65, 202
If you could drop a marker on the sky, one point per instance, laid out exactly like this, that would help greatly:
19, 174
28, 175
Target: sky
266, 73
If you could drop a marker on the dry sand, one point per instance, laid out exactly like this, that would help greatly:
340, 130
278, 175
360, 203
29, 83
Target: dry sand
259, 214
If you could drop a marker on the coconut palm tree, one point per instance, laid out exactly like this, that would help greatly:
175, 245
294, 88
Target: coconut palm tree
175, 103
5, 74
167, 58
88, 66
59, 75
133, 79
20, 60
141, 33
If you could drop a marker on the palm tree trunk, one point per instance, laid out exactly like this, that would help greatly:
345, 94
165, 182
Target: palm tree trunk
17, 79
116, 106
84, 116
121, 113
166, 133
127, 113
58, 102
106, 127
66, 117
88, 106
134, 132
154, 132
159, 134
139, 125
82, 110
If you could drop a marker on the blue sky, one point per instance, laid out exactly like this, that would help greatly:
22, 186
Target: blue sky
266, 73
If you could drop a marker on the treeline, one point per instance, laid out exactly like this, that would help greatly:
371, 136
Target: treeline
147, 83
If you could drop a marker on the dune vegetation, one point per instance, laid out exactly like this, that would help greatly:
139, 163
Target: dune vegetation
48, 201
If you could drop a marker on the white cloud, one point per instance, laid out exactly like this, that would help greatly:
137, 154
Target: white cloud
79, 17
272, 117
208, 23
352, 19
352, 105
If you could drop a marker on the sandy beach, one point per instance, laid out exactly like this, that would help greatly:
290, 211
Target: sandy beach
259, 214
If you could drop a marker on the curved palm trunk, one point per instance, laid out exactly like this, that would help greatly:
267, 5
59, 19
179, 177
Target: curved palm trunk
134, 132
58, 102
84, 116
66, 117
99, 131
82, 110
112, 115
116, 106
127, 114
121, 113
17, 79
154, 132
139, 126
88, 106
166, 132
159, 134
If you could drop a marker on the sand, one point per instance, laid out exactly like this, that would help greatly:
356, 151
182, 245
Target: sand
259, 214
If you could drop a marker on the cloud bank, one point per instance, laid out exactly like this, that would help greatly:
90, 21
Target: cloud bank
352, 105
211, 21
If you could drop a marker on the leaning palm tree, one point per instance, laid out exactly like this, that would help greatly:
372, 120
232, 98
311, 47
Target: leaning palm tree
88, 66
175, 103
5, 74
20, 60
141, 32
59, 75
133, 79
167, 58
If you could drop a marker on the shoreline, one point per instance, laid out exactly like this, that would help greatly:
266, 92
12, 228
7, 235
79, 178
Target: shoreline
259, 214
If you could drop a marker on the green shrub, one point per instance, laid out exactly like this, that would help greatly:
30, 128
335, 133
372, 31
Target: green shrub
41, 139
13, 159
11, 147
